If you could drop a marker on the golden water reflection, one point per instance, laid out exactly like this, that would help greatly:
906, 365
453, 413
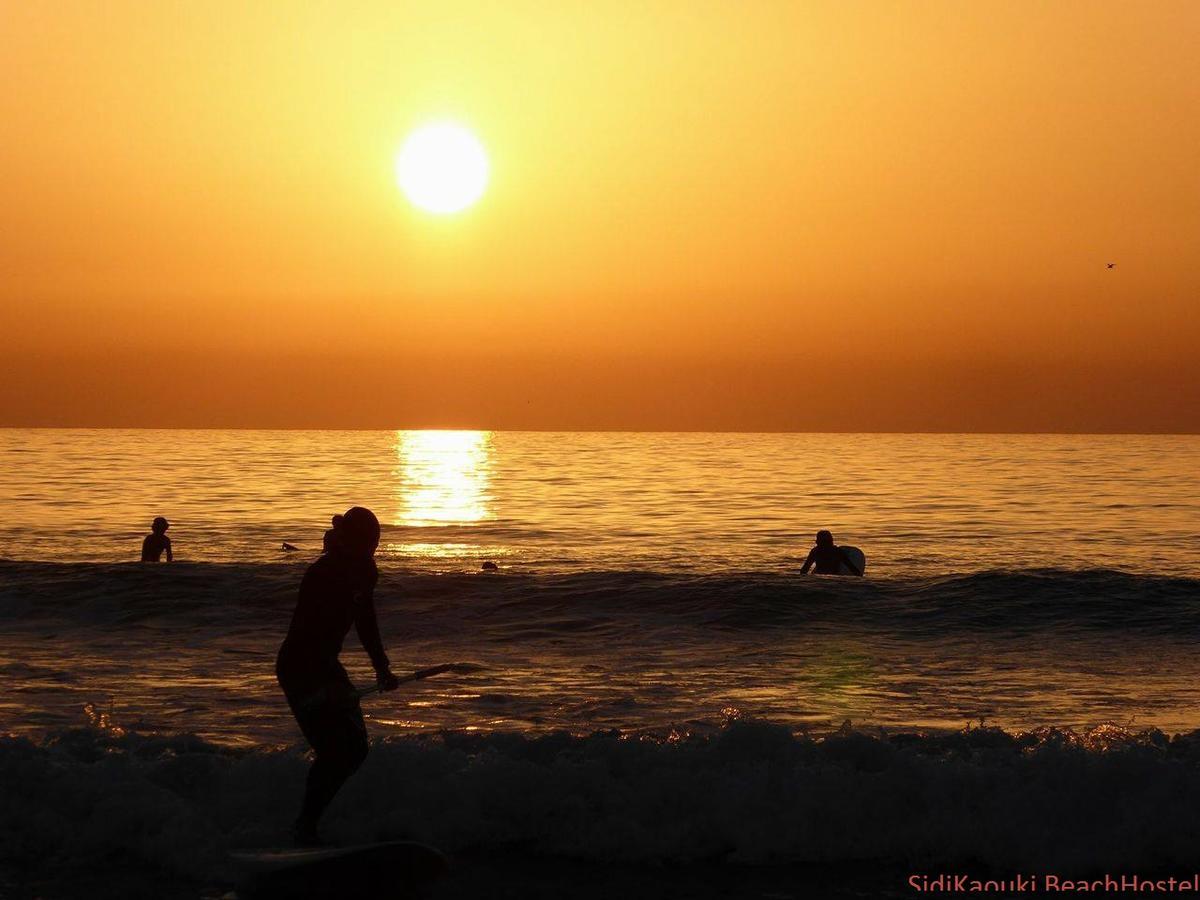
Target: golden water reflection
444, 477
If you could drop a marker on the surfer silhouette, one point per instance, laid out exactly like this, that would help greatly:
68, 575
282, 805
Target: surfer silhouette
828, 557
336, 592
331, 533
156, 542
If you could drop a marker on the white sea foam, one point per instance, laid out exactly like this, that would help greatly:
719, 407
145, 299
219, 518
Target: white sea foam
752, 793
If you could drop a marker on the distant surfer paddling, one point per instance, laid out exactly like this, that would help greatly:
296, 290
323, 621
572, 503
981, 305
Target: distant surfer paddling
830, 559
337, 591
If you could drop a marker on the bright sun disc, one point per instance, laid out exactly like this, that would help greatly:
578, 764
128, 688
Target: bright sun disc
442, 168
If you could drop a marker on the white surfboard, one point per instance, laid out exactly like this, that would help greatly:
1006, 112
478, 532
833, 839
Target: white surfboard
857, 557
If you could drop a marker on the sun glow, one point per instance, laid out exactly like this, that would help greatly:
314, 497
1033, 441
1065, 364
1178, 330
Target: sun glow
444, 477
442, 168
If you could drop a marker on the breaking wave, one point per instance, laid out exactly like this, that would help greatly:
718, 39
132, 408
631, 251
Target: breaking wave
753, 792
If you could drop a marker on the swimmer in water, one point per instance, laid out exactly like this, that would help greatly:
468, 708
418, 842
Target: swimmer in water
157, 542
828, 557
331, 533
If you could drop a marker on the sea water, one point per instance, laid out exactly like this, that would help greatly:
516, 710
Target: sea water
587, 502
1027, 631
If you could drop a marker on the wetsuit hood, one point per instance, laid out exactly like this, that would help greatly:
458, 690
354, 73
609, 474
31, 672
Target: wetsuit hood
359, 530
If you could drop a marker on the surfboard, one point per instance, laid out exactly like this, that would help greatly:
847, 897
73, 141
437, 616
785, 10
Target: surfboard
338, 871
857, 557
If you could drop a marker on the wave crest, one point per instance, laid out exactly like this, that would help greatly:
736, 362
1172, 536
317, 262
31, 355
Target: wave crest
92, 595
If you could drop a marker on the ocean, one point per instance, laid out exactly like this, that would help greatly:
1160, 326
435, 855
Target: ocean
659, 683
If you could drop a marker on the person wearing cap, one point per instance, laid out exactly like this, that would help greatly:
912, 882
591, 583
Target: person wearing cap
336, 592
157, 542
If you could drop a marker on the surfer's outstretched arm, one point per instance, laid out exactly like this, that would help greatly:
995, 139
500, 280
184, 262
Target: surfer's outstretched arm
808, 562
367, 625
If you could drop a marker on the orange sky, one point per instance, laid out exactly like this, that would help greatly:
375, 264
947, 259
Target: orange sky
843, 216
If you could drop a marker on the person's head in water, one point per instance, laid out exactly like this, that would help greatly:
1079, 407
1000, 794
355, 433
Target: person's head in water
331, 534
160, 525
824, 538
358, 532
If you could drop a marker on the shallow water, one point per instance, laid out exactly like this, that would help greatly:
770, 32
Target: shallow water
190, 648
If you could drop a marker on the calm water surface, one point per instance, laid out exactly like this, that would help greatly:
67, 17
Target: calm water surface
917, 504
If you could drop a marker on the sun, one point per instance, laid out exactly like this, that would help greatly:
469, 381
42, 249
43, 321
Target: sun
442, 168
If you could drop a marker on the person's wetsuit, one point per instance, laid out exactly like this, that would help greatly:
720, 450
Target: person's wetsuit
827, 559
336, 592
154, 546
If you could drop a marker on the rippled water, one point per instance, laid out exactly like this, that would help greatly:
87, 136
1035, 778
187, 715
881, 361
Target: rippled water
647, 583
917, 504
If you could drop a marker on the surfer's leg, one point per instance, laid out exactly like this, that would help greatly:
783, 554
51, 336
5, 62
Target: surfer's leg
337, 734
339, 739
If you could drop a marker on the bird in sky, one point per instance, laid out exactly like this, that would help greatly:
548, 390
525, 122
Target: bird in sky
1112, 265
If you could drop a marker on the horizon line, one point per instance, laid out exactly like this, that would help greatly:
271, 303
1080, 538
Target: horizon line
600, 430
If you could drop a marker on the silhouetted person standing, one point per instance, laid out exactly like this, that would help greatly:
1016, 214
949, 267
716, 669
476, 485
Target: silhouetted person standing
157, 543
828, 557
337, 591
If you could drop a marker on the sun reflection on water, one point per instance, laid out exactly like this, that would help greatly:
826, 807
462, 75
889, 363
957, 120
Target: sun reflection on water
444, 477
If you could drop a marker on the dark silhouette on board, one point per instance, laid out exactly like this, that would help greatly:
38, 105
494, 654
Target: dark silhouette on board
156, 542
289, 548
336, 592
490, 566
828, 557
